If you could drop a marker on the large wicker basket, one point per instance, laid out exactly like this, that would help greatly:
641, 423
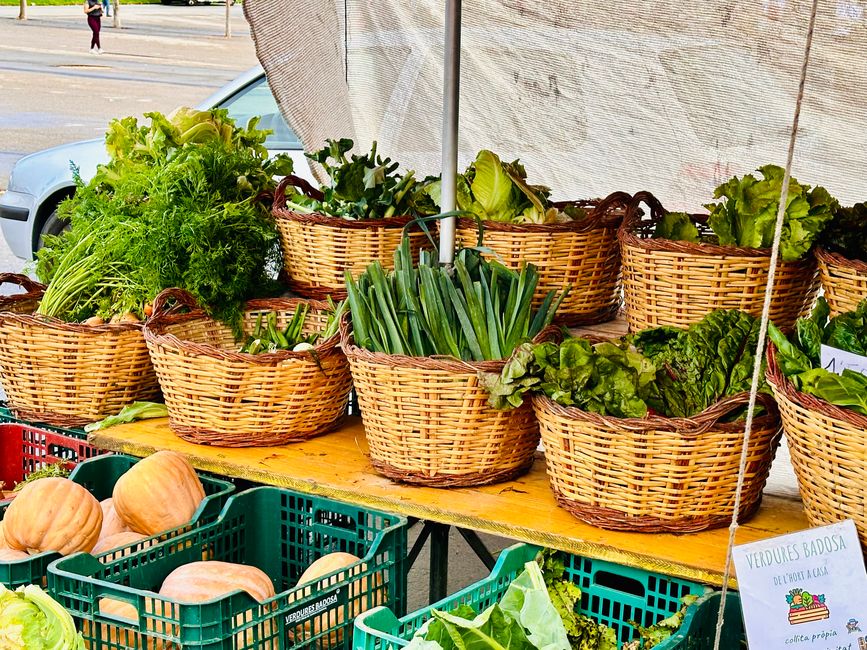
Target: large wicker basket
583, 255
69, 374
428, 422
677, 283
656, 474
25, 302
843, 280
318, 249
218, 396
828, 446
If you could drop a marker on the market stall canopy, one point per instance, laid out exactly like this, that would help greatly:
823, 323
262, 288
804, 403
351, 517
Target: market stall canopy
674, 98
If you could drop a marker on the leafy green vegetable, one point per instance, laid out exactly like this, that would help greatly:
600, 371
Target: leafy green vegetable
130, 413
493, 190
604, 378
182, 203
538, 611
650, 637
748, 212
846, 234
583, 632
708, 361
677, 226
477, 310
529, 602
676, 373
364, 186
31, 620
799, 357
58, 469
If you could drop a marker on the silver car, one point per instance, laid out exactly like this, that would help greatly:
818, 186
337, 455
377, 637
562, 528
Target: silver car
40, 181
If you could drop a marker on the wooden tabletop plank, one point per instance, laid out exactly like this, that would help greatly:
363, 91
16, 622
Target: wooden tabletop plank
336, 465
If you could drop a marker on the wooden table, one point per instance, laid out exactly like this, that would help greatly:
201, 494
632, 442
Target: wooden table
336, 465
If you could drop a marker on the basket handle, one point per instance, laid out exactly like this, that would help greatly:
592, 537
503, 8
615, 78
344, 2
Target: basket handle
606, 210
298, 182
31, 286
633, 215
172, 300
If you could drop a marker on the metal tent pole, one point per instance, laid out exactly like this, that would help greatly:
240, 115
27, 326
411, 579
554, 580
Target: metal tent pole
451, 101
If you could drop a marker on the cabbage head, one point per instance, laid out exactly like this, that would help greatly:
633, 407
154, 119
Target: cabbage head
31, 620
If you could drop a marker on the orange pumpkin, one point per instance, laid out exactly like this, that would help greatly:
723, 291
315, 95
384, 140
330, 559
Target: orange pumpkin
200, 581
360, 597
120, 636
116, 541
159, 493
11, 555
112, 524
53, 514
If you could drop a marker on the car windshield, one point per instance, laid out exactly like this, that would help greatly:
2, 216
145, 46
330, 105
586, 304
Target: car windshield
257, 99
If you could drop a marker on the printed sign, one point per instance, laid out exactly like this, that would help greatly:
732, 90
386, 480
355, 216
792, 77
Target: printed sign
325, 608
805, 590
838, 360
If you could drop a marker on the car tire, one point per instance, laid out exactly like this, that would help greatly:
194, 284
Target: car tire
53, 225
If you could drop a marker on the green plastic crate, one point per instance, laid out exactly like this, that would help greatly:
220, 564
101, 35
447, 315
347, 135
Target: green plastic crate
699, 626
99, 476
277, 530
611, 594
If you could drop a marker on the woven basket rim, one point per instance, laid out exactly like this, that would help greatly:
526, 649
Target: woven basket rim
628, 235
50, 322
154, 333
603, 215
447, 363
693, 426
320, 219
783, 386
836, 259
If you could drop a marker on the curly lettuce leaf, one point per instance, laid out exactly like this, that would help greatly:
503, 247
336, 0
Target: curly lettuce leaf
676, 226
650, 637
747, 214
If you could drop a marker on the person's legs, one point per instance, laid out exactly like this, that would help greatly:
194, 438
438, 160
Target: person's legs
94, 23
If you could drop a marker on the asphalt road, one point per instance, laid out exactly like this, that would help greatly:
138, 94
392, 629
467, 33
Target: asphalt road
52, 91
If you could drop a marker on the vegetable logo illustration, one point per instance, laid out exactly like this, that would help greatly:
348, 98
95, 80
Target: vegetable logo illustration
805, 607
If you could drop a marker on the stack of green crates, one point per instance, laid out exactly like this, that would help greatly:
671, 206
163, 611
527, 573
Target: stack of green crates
611, 594
276, 530
99, 475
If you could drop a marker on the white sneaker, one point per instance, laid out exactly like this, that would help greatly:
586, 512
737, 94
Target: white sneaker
99, 50
93, 50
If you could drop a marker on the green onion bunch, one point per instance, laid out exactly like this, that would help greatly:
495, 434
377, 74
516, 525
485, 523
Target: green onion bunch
475, 310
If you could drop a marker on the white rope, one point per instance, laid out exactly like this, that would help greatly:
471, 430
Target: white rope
763, 328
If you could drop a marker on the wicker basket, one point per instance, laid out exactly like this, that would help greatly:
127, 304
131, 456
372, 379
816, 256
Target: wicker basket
317, 248
656, 474
218, 396
828, 446
69, 374
21, 303
843, 280
584, 255
428, 422
677, 283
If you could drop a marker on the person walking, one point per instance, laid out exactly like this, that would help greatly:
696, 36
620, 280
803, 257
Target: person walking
93, 9
106, 8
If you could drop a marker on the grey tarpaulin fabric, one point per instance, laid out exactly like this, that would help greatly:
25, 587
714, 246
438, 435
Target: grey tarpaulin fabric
593, 97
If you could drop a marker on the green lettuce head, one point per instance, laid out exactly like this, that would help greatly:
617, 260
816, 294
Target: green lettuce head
31, 620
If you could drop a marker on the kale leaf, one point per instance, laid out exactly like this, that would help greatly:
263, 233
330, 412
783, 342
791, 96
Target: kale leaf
846, 234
